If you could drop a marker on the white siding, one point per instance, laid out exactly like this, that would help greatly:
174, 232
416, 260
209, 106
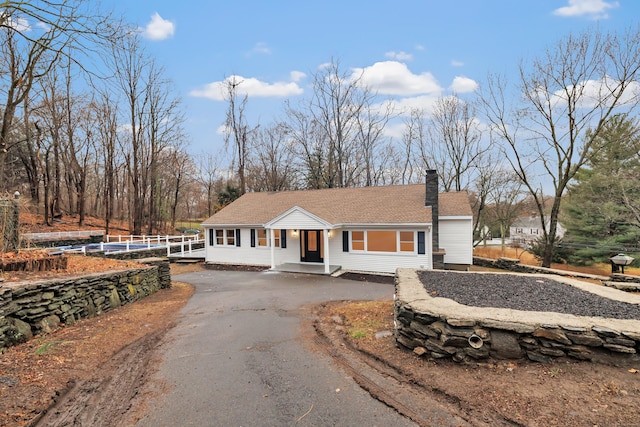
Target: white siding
298, 221
375, 262
456, 238
246, 255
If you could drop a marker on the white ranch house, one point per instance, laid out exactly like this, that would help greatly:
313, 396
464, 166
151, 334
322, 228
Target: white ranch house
369, 229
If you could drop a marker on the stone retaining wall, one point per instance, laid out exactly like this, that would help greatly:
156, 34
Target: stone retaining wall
28, 308
515, 266
440, 328
63, 242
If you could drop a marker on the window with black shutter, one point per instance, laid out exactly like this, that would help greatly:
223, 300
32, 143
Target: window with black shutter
421, 248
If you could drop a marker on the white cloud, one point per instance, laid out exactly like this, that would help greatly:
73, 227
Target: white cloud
590, 94
455, 63
158, 28
596, 9
43, 26
404, 106
261, 48
394, 78
420, 47
18, 23
223, 130
463, 84
251, 87
296, 76
400, 56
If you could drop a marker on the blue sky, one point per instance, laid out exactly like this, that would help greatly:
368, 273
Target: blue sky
412, 50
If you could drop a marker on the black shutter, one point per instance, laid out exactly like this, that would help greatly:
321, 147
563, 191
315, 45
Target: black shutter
253, 237
283, 239
345, 241
212, 233
237, 237
421, 250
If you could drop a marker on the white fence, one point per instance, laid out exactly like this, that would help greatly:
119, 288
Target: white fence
126, 243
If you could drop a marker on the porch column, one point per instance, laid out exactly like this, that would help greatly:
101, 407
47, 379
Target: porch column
272, 248
327, 270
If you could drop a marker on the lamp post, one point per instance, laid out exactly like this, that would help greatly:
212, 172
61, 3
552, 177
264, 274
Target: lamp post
620, 261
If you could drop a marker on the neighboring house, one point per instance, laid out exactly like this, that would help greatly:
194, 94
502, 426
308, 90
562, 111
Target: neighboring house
526, 229
374, 229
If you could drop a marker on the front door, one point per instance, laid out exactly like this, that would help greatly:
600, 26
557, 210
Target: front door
311, 246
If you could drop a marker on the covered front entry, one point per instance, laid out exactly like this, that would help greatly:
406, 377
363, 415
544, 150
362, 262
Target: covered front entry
313, 233
311, 247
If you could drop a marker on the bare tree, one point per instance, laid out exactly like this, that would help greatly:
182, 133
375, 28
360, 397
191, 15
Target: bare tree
330, 128
567, 95
413, 134
369, 136
238, 132
453, 145
272, 166
209, 176
29, 52
105, 143
179, 172
308, 142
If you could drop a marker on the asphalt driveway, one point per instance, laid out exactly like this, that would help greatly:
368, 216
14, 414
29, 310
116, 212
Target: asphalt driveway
238, 357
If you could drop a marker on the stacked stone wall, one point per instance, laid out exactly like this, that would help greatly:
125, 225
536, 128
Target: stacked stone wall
37, 307
515, 266
462, 334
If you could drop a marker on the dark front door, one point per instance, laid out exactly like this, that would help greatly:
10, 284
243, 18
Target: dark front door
311, 242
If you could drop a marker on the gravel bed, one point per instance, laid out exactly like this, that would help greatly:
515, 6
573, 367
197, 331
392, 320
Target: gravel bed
523, 293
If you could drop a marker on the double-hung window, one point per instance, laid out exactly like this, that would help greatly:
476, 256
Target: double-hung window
225, 237
264, 238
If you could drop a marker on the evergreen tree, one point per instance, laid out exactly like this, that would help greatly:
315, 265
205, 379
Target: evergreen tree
602, 210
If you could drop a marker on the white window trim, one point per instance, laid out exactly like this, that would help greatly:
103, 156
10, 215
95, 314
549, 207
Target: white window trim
268, 238
225, 239
397, 252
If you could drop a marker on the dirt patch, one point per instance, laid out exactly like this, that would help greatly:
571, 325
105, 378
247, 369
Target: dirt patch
509, 393
109, 353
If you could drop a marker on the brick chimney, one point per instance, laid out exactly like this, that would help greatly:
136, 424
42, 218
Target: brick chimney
431, 200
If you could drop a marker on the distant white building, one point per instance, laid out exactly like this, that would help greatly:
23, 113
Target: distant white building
526, 229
